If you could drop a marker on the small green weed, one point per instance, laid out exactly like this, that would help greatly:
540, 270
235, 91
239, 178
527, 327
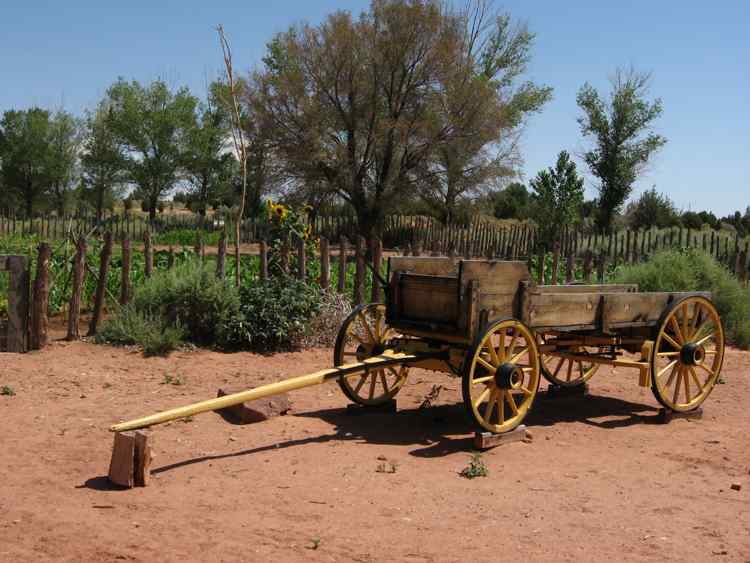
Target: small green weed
176, 380
476, 467
314, 543
7, 390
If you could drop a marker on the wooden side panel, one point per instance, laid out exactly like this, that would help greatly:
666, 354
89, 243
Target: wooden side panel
499, 284
634, 309
562, 309
600, 288
428, 298
425, 265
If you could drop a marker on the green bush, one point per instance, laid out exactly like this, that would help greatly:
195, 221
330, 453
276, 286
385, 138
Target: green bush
131, 326
694, 270
185, 303
274, 314
186, 237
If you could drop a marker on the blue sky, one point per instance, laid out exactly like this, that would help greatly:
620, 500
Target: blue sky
66, 54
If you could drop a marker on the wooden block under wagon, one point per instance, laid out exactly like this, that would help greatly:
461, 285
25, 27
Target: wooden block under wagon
486, 440
131, 459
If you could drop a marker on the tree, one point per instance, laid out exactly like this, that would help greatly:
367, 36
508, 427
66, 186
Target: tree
208, 164
652, 209
62, 159
511, 202
556, 198
353, 104
623, 139
486, 108
102, 161
25, 150
151, 124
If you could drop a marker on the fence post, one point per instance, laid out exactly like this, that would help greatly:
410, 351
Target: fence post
263, 260
376, 250
148, 255
284, 258
359, 276
41, 299
570, 266
170, 258
221, 256
588, 258
325, 263
301, 260
542, 265
601, 267
555, 262
101, 283
342, 264
125, 282
74, 310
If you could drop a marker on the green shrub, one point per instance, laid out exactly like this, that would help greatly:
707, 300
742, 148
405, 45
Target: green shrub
185, 303
131, 326
694, 270
186, 237
274, 314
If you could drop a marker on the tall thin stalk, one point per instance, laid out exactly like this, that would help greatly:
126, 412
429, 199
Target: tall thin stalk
238, 138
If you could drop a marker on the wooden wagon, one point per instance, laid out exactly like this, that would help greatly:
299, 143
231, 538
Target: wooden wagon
488, 323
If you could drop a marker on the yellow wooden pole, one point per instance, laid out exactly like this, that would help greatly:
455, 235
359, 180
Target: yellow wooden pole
267, 390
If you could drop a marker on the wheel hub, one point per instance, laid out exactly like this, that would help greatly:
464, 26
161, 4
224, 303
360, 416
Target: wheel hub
509, 376
692, 354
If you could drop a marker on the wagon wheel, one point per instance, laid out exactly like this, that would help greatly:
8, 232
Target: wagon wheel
501, 376
364, 334
565, 372
687, 355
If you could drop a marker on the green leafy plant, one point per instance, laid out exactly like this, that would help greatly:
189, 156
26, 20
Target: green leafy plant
7, 390
476, 467
176, 380
694, 270
131, 326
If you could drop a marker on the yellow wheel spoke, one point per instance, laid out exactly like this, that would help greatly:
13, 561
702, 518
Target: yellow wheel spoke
367, 326
526, 391
677, 385
361, 382
483, 379
671, 341
704, 339
687, 386
511, 402
486, 365
527, 370
570, 370
514, 359
696, 379
669, 365
677, 331
482, 396
668, 354
708, 371
383, 381
695, 320
490, 407
675, 370
559, 365
492, 352
373, 380
512, 345
501, 409
501, 352
685, 314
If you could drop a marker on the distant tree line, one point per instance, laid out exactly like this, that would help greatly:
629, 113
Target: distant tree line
414, 106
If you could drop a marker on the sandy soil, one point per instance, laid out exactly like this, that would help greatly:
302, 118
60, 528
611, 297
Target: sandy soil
600, 481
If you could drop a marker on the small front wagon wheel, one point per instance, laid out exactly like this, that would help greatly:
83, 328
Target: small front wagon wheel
566, 372
687, 355
501, 376
364, 334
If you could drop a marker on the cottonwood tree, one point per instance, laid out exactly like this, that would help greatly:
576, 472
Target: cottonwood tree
621, 128
207, 162
152, 124
25, 149
556, 198
484, 105
102, 161
62, 159
652, 209
352, 102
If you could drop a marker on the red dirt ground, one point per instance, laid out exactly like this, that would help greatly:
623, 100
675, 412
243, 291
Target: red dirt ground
599, 482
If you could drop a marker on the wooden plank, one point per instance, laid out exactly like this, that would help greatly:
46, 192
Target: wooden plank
121, 468
427, 298
590, 288
486, 440
427, 265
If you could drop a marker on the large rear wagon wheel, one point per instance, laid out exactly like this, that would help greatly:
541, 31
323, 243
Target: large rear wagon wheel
364, 334
501, 376
687, 355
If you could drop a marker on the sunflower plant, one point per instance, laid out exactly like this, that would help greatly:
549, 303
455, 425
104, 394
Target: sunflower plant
285, 223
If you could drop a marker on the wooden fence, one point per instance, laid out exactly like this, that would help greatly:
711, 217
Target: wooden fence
575, 258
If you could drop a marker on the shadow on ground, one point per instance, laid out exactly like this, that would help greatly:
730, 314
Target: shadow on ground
442, 430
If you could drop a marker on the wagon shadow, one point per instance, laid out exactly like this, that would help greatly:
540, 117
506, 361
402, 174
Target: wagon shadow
589, 409
442, 430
